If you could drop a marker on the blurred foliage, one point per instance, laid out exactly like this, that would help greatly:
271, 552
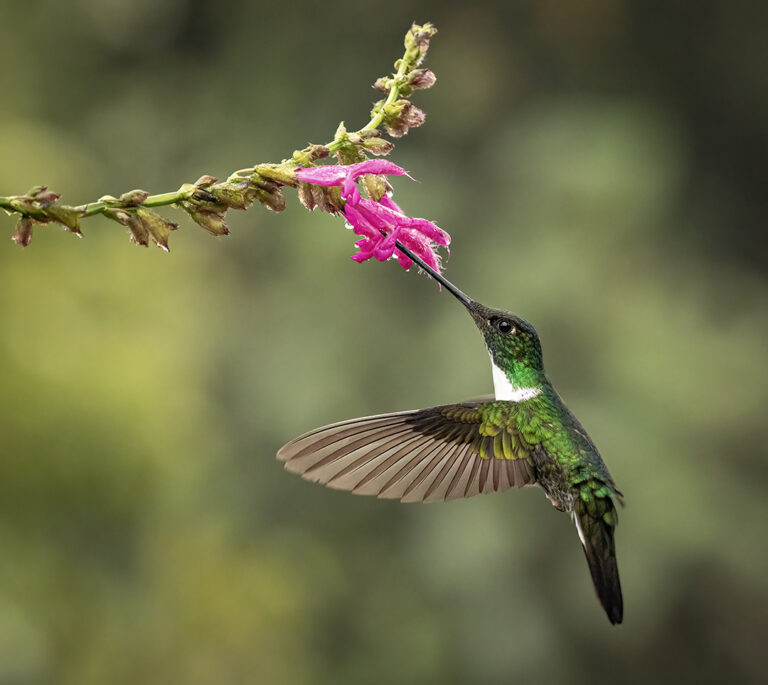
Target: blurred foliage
615, 152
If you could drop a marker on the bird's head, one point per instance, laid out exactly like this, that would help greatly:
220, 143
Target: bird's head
510, 340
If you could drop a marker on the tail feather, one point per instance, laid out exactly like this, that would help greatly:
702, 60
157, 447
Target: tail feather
596, 533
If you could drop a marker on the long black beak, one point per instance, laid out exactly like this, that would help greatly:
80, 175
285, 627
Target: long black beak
460, 296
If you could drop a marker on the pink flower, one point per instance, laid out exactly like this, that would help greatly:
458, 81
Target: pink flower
381, 224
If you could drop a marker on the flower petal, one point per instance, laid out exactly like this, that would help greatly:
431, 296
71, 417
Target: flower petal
336, 174
360, 224
381, 217
421, 247
349, 190
386, 247
382, 224
430, 230
366, 248
327, 175
389, 203
403, 260
375, 166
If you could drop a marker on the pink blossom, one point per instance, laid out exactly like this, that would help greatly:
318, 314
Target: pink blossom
381, 224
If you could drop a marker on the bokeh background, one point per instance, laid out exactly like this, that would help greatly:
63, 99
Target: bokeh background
601, 168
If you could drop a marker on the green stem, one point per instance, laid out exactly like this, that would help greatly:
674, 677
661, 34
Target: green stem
14, 204
378, 118
21, 204
164, 199
160, 200
394, 92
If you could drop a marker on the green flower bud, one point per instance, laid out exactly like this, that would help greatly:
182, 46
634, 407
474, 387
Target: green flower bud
375, 186
233, 195
34, 191
68, 217
417, 42
133, 198
157, 227
304, 158
378, 146
341, 131
212, 220
331, 200
282, 173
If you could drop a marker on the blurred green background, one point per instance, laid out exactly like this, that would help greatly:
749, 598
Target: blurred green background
601, 168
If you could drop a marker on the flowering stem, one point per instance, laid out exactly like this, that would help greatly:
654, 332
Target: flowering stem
160, 200
394, 92
207, 200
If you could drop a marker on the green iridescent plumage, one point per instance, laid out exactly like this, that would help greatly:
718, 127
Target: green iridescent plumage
523, 435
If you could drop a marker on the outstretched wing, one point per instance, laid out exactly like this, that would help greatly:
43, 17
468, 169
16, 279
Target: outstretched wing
426, 455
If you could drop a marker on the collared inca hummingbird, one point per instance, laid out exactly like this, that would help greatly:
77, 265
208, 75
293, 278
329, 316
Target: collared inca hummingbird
522, 435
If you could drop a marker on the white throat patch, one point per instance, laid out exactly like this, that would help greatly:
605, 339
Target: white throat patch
504, 390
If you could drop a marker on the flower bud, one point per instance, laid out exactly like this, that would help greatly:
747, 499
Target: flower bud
375, 186
274, 199
205, 181
137, 230
417, 41
282, 173
318, 152
331, 200
402, 116
307, 195
22, 233
157, 227
350, 154
421, 79
382, 84
378, 146
212, 220
305, 157
233, 195
133, 198
412, 116
42, 195
34, 191
341, 131
68, 217
319, 197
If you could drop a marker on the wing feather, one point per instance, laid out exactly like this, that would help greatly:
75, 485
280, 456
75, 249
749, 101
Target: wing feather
443, 453
441, 480
396, 487
459, 481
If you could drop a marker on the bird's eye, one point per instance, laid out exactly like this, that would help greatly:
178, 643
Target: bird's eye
505, 326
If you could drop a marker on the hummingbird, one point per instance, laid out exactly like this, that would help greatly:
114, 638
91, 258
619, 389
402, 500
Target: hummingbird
522, 435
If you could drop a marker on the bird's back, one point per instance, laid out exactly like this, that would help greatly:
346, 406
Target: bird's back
575, 478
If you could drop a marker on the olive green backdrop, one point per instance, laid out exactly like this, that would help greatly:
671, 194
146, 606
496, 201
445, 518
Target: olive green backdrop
601, 168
